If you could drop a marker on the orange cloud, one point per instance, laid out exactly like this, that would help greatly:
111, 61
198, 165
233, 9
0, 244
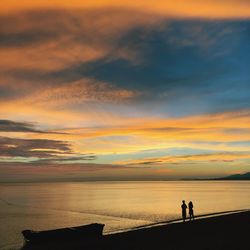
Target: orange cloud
182, 8
54, 40
50, 56
108, 133
85, 90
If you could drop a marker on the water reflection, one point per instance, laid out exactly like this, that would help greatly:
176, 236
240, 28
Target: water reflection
117, 204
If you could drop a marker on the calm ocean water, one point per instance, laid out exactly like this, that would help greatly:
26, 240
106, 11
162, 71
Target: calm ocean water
119, 205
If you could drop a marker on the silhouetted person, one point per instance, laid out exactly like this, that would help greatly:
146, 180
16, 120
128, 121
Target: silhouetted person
184, 210
191, 210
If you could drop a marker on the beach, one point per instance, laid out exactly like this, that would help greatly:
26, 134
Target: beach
222, 232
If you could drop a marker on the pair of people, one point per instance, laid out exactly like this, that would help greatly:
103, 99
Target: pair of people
190, 210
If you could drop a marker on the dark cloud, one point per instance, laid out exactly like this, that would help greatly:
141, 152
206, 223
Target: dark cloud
65, 160
149, 162
41, 148
12, 126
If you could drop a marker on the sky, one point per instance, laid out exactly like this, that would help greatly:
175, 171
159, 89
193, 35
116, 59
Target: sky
138, 90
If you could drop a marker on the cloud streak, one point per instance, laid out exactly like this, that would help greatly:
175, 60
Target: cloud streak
189, 159
11, 147
12, 126
25, 127
78, 92
39, 151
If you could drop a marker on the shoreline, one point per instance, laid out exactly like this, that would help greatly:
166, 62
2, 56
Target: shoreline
169, 222
223, 232
227, 231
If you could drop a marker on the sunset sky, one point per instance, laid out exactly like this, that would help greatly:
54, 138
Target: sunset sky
133, 90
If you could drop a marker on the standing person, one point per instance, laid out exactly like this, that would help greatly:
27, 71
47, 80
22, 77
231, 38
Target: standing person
184, 212
191, 210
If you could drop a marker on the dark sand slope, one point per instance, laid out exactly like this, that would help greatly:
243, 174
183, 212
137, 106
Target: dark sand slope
230, 231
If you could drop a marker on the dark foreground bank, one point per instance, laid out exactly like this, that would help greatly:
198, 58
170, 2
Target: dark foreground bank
227, 232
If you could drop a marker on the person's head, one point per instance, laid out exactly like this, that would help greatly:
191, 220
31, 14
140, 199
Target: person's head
183, 201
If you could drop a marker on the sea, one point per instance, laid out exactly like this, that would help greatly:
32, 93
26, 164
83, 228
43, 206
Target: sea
119, 205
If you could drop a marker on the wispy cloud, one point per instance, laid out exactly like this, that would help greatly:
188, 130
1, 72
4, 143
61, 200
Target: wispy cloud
25, 127
11, 147
66, 160
86, 90
191, 159
12, 126
39, 150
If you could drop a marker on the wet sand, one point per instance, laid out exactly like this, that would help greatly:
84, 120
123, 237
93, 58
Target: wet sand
223, 232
